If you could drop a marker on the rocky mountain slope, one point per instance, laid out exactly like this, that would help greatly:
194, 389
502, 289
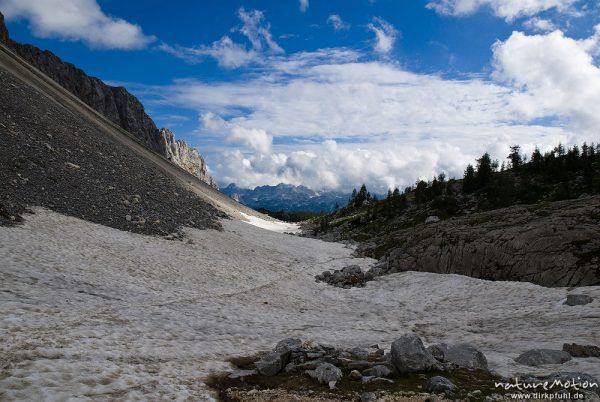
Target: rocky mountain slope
287, 197
116, 103
53, 156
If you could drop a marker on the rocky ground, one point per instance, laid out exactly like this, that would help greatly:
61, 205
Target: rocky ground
56, 159
294, 369
550, 244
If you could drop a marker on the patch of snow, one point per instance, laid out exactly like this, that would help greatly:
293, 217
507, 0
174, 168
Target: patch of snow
273, 226
93, 313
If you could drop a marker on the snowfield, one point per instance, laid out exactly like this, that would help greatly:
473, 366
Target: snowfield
93, 313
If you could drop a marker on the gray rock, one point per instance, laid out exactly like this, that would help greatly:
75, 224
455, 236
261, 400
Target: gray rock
578, 300
377, 371
287, 345
432, 219
327, 373
576, 350
270, 364
438, 351
290, 368
518, 243
462, 355
346, 277
355, 375
439, 384
368, 397
409, 355
538, 357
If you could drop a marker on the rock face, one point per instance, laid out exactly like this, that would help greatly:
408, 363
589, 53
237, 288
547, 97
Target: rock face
115, 103
538, 357
178, 152
409, 355
553, 244
578, 300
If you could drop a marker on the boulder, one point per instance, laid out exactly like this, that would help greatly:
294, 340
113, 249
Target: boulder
377, 371
270, 364
462, 355
538, 357
439, 384
288, 345
355, 375
409, 355
368, 397
432, 219
576, 350
329, 374
578, 300
346, 277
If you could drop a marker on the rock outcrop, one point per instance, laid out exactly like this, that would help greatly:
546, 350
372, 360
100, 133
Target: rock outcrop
550, 244
115, 103
178, 152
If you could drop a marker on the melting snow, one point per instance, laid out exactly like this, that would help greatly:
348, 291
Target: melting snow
90, 312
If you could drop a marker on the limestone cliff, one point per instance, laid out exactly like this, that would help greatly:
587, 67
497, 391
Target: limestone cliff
115, 103
178, 152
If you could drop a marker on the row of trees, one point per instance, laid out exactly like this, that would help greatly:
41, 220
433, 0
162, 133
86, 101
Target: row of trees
558, 174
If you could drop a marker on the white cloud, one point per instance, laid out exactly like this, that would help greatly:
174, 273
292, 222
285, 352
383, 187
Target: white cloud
385, 35
76, 20
256, 139
539, 25
227, 53
303, 5
330, 119
337, 23
257, 30
554, 74
507, 9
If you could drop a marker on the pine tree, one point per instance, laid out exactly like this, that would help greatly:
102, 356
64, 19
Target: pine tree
469, 180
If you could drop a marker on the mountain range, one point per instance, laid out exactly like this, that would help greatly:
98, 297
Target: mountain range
287, 197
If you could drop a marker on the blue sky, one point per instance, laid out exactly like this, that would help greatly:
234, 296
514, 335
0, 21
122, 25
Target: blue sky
333, 93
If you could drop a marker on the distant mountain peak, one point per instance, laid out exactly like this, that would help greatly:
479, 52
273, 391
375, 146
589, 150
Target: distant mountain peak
287, 197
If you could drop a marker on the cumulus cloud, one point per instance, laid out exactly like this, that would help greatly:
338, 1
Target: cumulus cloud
337, 23
256, 139
555, 76
537, 24
303, 5
331, 119
76, 20
507, 9
385, 35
